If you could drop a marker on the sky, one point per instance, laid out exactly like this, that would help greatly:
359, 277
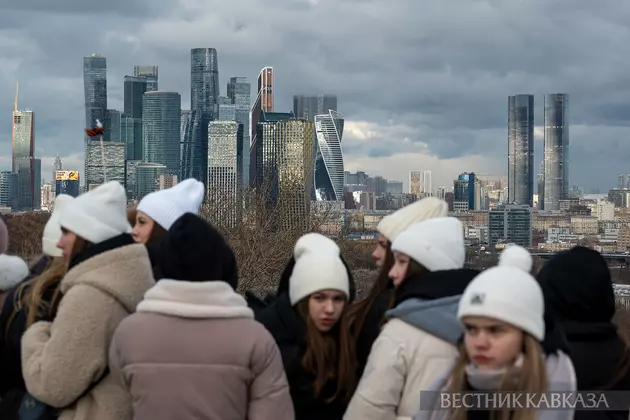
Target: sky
423, 84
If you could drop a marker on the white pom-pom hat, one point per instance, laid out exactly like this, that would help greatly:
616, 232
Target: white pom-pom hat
507, 293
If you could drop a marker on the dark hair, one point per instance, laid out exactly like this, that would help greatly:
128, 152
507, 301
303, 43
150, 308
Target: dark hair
329, 355
158, 233
358, 311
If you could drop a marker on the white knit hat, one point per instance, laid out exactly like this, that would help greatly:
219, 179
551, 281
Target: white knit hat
166, 206
314, 243
12, 271
99, 214
52, 230
427, 208
507, 293
436, 244
317, 271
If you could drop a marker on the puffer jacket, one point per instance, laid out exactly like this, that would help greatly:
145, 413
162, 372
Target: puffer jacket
64, 358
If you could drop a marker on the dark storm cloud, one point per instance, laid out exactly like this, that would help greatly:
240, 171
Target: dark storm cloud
429, 77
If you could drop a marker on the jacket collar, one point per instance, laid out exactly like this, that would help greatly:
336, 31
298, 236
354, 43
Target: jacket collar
185, 299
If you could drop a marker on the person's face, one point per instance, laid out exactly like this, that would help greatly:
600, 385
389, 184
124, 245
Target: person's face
325, 308
492, 344
142, 229
66, 243
380, 252
398, 271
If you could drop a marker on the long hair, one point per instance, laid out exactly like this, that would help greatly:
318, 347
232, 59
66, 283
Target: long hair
329, 356
131, 215
358, 311
623, 366
530, 377
158, 233
31, 293
80, 245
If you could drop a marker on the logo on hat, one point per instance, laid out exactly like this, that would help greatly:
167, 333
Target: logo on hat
477, 299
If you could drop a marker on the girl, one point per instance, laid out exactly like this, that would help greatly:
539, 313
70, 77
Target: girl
418, 341
309, 325
367, 314
502, 310
578, 292
158, 210
192, 328
65, 361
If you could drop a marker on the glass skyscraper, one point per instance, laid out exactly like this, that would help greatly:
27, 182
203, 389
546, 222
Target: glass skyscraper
306, 107
95, 93
161, 122
329, 173
204, 94
521, 149
239, 92
104, 164
144, 80
556, 152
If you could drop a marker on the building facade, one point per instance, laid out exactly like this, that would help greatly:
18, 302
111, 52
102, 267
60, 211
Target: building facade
306, 107
262, 104
510, 223
521, 149
134, 89
147, 177
104, 164
225, 175
161, 124
95, 95
556, 154
239, 92
329, 170
67, 182
8, 189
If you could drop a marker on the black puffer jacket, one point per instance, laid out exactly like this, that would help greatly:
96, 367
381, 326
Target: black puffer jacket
578, 292
289, 330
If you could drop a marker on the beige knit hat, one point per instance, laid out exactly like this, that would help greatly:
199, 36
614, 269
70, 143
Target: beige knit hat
427, 208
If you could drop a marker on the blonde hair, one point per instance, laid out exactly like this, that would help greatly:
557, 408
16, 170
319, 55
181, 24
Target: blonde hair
531, 377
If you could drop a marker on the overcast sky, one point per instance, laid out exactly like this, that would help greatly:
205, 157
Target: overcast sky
423, 84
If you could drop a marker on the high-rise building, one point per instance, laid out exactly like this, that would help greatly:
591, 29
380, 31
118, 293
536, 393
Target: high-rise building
147, 177
113, 125
144, 80
510, 224
150, 73
225, 176
57, 166
441, 193
161, 123
67, 182
540, 181
263, 103
415, 182
239, 92
284, 168
204, 95
427, 183
23, 157
465, 192
105, 162
556, 155
95, 93
8, 189
225, 110
306, 107
328, 171
521, 149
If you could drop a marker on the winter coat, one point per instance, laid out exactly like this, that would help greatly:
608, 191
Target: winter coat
414, 347
289, 331
62, 359
560, 377
12, 326
578, 292
193, 350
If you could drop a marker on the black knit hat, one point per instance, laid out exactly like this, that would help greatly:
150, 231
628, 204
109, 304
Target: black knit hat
193, 250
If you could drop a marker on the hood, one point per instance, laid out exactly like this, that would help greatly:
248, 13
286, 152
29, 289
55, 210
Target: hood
123, 272
577, 286
12, 270
430, 302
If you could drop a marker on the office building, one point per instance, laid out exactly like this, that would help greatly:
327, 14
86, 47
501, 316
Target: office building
263, 104
510, 224
147, 177
225, 110
105, 162
95, 96
307, 107
67, 182
521, 149
556, 155
239, 92
113, 125
8, 189
329, 172
161, 124
150, 73
23, 160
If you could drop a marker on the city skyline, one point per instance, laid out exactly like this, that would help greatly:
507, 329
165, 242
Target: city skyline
442, 108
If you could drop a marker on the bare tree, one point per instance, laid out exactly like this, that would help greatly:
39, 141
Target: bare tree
25, 233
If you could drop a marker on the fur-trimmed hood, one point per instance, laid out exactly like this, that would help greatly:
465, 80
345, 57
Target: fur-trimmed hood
12, 270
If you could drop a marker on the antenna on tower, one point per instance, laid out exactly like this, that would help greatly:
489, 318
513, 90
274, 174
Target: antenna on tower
15, 102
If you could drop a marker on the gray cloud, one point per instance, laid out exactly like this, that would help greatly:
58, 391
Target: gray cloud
424, 78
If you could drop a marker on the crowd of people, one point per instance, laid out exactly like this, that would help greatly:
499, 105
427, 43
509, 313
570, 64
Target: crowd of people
134, 314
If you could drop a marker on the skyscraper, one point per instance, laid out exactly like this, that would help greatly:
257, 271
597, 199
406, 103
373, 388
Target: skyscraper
306, 107
415, 182
150, 73
144, 80
556, 155
427, 182
161, 123
23, 159
521, 149
328, 172
264, 103
57, 166
204, 94
239, 92
112, 125
225, 176
95, 93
